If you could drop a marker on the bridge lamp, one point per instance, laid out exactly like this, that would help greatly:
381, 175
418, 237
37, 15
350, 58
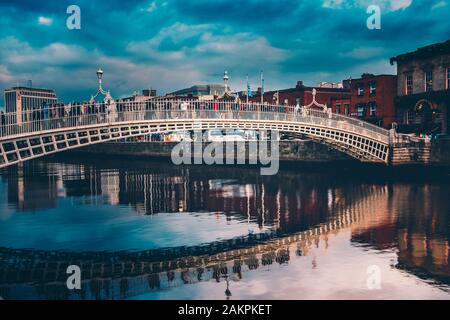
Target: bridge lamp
99, 77
99, 74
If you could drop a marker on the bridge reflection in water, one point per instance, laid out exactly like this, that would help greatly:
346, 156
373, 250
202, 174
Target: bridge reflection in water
294, 213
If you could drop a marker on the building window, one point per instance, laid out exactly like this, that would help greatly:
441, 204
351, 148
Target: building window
372, 88
360, 107
373, 109
448, 77
338, 108
429, 80
347, 109
360, 89
409, 84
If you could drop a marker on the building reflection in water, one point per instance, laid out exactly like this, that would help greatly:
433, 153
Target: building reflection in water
300, 210
419, 230
268, 200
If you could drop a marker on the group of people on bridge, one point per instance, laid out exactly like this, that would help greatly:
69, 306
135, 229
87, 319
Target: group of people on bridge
62, 115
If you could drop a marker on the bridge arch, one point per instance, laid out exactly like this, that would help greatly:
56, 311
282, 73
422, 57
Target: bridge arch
41, 137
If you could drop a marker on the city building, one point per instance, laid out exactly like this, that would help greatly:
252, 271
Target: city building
302, 95
423, 90
23, 99
201, 90
149, 92
331, 85
342, 106
371, 99
206, 92
146, 95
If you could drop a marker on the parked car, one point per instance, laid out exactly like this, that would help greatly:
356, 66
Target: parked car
216, 135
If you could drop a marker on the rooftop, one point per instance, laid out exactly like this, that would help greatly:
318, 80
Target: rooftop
31, 89
302, 87
369, 76
430, 51
198, 87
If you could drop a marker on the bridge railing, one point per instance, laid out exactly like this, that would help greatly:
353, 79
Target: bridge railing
90, 114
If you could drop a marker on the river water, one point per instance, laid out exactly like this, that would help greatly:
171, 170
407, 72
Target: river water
152, 230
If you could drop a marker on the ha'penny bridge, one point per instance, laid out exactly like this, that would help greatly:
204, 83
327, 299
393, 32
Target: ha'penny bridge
32, 134
112, 275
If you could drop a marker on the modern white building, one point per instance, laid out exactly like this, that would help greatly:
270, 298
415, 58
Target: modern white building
23, 99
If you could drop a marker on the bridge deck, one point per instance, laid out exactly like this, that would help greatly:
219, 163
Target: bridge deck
37, 133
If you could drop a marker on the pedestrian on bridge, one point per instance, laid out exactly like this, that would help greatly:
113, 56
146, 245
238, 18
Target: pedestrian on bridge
2, 123
184, 108
297, 111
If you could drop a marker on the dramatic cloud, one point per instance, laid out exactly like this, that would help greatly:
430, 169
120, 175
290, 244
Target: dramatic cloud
390, 5
45, 21
169, 44
438, 5
152, 7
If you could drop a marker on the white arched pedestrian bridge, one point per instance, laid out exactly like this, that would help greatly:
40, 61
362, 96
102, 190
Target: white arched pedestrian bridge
37, 133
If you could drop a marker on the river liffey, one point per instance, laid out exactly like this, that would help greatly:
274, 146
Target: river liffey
152, 230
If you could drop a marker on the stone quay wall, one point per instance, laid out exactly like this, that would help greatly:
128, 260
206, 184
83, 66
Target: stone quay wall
298, 150
421, 153
435, 153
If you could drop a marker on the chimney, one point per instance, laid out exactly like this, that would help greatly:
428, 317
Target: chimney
299, 84
367, 75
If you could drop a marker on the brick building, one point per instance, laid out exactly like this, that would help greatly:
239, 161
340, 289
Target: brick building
423, 90
302, 95
371, 99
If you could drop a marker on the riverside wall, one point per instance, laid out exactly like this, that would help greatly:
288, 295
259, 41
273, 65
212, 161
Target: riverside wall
433, 154
298, 150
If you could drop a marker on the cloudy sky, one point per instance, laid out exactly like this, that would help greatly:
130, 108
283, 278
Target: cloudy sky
170, 44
